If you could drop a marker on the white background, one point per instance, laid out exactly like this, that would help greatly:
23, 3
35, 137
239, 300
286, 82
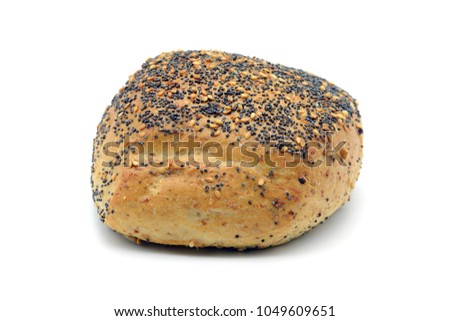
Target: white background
384, 256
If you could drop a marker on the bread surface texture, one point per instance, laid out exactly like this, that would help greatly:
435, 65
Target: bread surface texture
211, 149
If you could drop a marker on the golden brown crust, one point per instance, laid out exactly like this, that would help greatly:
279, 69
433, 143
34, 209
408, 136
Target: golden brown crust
231, 100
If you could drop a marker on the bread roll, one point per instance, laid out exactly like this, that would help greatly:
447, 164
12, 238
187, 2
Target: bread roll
210, 149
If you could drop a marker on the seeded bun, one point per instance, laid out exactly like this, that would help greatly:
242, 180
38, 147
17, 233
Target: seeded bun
279, 115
